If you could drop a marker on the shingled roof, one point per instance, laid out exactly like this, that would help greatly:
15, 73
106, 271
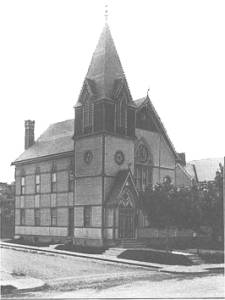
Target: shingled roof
119, 182
105, 71
57, 139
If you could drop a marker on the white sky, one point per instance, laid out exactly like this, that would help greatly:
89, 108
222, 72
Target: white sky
177, 47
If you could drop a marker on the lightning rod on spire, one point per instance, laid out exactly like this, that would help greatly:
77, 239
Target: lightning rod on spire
106, 13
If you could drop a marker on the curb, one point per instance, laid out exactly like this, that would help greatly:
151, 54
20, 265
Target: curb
162, 268
76, 254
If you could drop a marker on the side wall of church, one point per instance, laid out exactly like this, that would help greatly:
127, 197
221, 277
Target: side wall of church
45, 201
163, 158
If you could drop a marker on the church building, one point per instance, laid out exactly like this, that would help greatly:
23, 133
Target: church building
80, 180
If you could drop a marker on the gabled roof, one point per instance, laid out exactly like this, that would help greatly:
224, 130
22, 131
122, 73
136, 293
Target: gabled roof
146, 101
140, 101
206, 168
105, 68
57, 139
190, 169
117, 187
189, 172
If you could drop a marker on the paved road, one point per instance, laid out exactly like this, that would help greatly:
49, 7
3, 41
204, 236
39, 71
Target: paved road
66, 276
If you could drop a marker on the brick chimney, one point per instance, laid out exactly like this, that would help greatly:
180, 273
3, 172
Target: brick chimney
29, 133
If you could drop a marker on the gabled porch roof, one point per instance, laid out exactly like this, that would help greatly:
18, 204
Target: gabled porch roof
123, 178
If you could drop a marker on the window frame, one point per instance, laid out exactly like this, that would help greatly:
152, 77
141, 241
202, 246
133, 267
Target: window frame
87, 216
37, 217
53, 181
22, 217
53, 216
37, 184
22, 184
71, 181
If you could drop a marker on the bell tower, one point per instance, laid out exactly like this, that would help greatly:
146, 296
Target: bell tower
104, 138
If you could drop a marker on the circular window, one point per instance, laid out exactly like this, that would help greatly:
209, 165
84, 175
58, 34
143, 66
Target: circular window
88, 156
143, 153
119, 157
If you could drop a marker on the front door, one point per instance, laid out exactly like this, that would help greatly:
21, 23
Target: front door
126, 223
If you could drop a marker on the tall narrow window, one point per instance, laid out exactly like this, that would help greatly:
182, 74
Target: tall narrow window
87, 216
53, 216
71, 180
53, 182
121, 116
22, 185
71, 177
37, 221
150, 176
144, 178
37, 183
78, 120
88, 117
22, 216
139, 178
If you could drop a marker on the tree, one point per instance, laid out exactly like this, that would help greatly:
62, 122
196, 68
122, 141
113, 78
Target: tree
190, 207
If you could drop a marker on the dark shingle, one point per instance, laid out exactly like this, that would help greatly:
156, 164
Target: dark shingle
58, 138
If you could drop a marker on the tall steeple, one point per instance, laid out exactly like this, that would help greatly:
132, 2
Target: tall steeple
105, 69
105, 102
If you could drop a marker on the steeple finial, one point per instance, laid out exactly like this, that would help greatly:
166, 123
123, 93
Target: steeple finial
106, 13
148, 90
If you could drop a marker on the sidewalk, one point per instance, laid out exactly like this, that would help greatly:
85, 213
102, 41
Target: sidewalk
8, 282
194, 269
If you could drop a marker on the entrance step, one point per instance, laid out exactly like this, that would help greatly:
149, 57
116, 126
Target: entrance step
131, 244
115, 252
195, 259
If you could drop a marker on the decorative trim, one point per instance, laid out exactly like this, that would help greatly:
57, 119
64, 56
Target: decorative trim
106, 133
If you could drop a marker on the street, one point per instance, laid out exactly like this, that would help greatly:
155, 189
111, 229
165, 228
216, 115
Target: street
73, 277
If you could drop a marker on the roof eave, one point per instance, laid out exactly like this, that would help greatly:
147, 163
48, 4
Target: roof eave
41, 158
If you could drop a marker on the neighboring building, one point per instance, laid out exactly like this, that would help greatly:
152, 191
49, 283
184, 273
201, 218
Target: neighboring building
81, 180
204, 169
7, 209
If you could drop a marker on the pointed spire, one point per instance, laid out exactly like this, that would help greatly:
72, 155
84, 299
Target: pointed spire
105, 67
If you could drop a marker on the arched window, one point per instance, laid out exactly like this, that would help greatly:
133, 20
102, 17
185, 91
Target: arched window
143, 168
87, 112
88, 117
121, 115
